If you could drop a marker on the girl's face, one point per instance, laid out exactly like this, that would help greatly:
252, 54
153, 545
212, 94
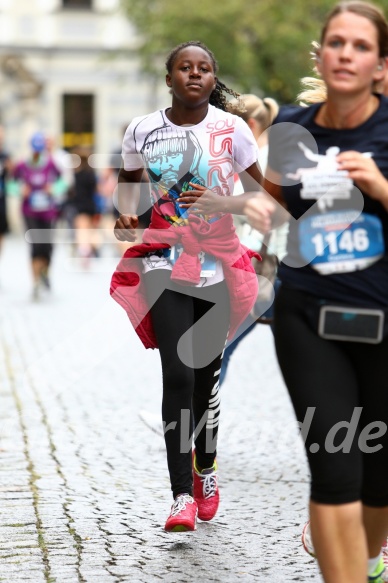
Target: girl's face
192, 78
349, 59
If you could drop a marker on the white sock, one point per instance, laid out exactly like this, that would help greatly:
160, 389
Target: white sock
372, 564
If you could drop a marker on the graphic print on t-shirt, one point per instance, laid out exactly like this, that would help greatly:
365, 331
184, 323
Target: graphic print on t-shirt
175, 156
324, 182
172, 159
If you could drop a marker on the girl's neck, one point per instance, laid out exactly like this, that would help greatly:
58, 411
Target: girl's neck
346, 113
182, 116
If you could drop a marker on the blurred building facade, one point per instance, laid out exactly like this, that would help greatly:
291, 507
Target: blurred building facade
68, 68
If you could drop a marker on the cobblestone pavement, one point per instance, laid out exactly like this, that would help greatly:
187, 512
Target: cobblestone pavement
84, 491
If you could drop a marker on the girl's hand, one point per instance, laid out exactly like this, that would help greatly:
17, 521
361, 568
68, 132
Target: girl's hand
201, 200
364, 172
125, 226
259, 210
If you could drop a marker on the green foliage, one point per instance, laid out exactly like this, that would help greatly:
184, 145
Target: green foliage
261, 48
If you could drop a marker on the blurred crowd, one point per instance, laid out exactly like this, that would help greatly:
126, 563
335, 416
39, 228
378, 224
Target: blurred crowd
54, 188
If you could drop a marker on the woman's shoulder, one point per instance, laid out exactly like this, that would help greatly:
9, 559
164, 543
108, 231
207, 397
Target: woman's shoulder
296, 113
381, 114
20, 164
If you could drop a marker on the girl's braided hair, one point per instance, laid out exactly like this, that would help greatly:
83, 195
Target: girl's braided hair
217, 97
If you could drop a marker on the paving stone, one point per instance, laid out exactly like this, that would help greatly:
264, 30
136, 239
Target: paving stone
81, 474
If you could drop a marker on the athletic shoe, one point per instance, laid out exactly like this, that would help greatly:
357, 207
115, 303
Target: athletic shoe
206, 493
183, 515
307, 541
379, 575
36, 292
45, 281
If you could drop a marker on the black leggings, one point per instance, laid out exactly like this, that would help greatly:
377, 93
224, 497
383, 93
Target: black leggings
191, 365
40, 250
335, 377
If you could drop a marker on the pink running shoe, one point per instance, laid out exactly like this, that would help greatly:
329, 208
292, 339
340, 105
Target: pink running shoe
183, 514
206, 493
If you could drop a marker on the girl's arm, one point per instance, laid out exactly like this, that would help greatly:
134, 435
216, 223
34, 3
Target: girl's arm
266, 210
206, 202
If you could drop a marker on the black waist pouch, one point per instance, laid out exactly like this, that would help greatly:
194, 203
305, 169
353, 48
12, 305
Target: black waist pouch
347, 323
352, 324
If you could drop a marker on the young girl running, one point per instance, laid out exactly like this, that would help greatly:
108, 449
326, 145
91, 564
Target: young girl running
329, 164
192, 281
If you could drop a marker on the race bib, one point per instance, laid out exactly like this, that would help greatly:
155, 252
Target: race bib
208, 262
40, 201
340, 242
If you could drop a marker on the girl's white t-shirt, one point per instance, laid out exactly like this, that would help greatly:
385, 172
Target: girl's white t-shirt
209, 153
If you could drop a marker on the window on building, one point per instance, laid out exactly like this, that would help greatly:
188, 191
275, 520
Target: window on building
77, 4
78, 120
